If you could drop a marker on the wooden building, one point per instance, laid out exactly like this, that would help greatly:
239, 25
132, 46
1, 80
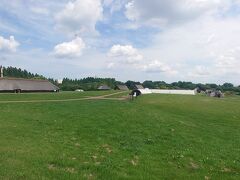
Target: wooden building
26, 85
122, 88
104, 88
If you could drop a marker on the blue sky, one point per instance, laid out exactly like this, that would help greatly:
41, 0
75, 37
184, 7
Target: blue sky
170, 40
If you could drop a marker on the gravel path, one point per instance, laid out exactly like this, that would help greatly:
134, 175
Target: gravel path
68, 100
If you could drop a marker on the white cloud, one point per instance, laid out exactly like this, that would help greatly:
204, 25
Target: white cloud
70, 49
229, 62
131, 12
80, 16
206, 49
237, 2
114, 5
130, 57
162, 12
8, 44
107, 2
39, 10
126, 53
110, 65
158, 67
199, 71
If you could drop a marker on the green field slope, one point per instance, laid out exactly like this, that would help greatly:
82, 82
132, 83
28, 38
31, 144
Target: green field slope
52, 96
153, 137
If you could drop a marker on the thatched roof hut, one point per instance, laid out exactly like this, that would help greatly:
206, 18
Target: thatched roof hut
122, 87
104, 87
138, 86
26, 85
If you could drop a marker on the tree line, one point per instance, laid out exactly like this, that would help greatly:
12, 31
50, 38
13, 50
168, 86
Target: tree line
92, 83
87, 84
189, 85
19, 73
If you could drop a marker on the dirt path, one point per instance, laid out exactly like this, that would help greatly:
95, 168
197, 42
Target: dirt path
68, 100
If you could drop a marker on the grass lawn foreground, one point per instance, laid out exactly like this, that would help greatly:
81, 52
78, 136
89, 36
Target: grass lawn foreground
152, 137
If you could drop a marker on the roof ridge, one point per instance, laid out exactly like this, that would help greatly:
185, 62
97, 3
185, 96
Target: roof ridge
12, 78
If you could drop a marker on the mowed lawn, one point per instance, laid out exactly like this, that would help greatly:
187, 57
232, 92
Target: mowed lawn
52, 96
153, 137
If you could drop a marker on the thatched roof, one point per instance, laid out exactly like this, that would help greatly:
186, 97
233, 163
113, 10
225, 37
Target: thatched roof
122, 87
12, 84
104, 87
139, 86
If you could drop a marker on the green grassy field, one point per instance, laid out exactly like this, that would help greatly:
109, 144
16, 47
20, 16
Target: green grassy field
153, 137
51, 96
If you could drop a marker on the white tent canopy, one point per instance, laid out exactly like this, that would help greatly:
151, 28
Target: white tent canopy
167, 91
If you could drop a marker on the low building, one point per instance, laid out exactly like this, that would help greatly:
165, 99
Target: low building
138, 86
214, 93
19, 85
104, 88
79, 90
122, 88
138, 92
174, 91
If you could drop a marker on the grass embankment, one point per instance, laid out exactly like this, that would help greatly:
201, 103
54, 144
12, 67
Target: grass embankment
52, 96
120, 94
153, 137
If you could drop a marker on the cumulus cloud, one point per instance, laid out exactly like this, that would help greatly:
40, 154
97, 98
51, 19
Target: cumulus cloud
39, 10
229, 62
70, 49
127, 53
80, 16
199, 71
110, 65
158, 67
8, 44
107, 2
162, 12
212, 44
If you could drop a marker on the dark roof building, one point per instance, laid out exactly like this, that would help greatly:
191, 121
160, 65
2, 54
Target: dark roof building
139, 86
104, 87
214, 93
26, 85
122, 87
